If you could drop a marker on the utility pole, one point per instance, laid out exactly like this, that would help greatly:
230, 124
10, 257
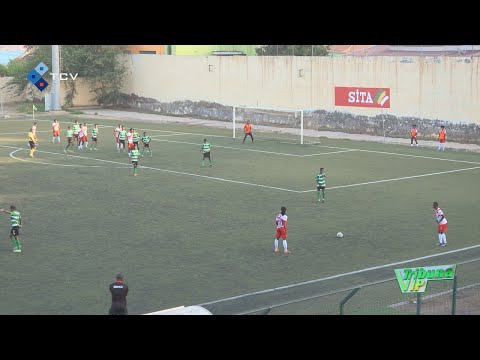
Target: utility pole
56, 79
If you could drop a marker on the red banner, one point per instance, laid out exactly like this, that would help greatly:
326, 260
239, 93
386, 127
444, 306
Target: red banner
362, 97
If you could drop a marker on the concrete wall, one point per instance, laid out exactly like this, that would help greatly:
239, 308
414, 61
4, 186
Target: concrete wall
83, 96
428, 91
433, 88
9, 95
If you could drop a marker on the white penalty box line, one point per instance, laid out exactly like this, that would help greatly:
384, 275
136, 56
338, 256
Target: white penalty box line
155, 169
178, 133
253, 184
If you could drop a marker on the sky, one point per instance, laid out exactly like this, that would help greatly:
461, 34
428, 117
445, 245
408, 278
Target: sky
9, 52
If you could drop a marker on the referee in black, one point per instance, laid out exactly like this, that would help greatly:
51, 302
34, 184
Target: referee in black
119, 292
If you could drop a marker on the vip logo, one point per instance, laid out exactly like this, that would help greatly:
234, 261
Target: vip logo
35, 76
413, 280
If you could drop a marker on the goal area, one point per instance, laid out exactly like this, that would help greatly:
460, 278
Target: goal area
271, 124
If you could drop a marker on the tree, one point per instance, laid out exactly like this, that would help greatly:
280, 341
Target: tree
3, 70
292, 50
101, 66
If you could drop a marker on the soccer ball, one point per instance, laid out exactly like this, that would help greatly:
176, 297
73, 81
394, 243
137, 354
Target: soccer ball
339, 235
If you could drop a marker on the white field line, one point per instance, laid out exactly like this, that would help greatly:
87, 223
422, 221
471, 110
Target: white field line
266, 186
434, 295
394, 179
155, 136
164, 170
333, 152
24, 132
341, 275
325, 146
44, 163
199, 144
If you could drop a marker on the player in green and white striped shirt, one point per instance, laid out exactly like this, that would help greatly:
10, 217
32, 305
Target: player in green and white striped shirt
321, 180
134, 154
206, 148
69, 136
94, 137
121, 136
16, 222
146, 143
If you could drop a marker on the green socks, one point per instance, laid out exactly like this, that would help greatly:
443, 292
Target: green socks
15, 243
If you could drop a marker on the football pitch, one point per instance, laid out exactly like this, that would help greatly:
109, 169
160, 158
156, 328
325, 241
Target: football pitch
183, 234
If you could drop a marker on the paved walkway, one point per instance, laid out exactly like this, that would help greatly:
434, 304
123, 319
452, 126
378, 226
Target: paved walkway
155, 118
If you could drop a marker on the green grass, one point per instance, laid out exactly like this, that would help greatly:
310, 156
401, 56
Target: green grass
26, 107
184, 239
74, 111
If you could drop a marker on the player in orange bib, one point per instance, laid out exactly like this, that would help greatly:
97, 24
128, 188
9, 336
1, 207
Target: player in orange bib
281, 224
442, 137
413, 135
247, 129
55, 131
441, 224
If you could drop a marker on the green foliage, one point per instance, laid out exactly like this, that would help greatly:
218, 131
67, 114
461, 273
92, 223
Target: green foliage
26, 107
101, 66
292, 50
3, 70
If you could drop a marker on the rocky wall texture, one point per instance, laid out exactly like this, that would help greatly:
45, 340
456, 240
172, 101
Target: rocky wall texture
394, 126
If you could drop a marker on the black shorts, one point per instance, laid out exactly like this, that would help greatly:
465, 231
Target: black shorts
135, 163
135, 143
206, 155
69, 140
32, 144
75, 136
146, 145
122, 142
320, 187
94, 139
15, 231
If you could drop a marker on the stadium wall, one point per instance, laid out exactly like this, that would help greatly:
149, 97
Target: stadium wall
428, 91
9, 94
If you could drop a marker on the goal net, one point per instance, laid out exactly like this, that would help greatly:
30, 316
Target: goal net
284, 125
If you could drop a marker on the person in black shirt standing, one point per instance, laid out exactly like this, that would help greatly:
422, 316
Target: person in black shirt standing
119, 290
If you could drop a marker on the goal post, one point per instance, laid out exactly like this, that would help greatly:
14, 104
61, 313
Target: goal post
289, 123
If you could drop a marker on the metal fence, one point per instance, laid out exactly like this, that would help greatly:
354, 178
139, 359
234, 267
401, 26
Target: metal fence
458, 297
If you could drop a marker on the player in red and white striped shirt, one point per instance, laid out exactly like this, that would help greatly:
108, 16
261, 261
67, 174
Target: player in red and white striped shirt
442, 224
281, 224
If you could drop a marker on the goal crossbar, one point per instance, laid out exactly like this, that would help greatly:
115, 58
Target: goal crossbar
234, 116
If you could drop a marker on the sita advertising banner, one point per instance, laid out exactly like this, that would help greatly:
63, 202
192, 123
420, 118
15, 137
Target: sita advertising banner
362, 97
